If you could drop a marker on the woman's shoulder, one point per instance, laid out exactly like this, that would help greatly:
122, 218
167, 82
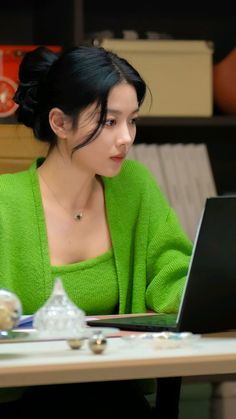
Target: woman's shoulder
12, 178
135, 169
136, 173
134, 180
12, 184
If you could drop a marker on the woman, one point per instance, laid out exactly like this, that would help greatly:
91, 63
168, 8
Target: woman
84, 213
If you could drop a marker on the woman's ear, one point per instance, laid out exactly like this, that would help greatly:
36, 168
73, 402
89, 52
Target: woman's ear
57, 122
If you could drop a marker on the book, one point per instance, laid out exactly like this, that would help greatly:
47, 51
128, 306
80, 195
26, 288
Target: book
172, 180
25, 322
148, 155
185, 186
131, 153
140, 151
195, 189
205, 171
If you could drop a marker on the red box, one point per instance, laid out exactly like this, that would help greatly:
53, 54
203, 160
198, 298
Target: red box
10, 58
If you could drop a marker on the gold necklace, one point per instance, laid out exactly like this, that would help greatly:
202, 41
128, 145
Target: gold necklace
78, 214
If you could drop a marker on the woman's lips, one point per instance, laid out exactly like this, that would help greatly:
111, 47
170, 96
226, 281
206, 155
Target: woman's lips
118, 159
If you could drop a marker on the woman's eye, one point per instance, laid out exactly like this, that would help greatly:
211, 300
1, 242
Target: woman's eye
110, 122
133, 121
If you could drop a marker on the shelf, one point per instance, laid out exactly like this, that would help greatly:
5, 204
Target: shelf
217, 129
155, 121
42, 22
21, 23
219, 121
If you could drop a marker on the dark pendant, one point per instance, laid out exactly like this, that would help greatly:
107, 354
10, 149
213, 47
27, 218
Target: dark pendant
78, 216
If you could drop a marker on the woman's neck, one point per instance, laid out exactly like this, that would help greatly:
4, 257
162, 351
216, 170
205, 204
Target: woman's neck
65, 183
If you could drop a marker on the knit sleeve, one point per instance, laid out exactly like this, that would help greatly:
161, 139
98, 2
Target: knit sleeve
168, 256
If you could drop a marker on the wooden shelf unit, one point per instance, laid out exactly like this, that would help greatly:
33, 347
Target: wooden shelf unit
69, 22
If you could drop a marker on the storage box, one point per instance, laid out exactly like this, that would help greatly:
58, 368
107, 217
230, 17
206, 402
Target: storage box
10, 58
178, 74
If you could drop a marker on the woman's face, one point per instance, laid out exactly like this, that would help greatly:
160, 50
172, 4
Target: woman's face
104, 155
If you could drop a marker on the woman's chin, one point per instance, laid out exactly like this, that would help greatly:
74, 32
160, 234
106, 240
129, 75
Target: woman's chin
110, 172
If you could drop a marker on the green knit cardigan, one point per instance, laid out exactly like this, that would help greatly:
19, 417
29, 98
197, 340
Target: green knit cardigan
151, 251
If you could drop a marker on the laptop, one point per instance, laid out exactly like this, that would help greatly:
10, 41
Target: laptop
208, 302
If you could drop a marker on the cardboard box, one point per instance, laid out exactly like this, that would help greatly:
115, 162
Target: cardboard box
178, 74
10, 58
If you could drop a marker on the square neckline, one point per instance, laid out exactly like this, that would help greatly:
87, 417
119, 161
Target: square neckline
43, 226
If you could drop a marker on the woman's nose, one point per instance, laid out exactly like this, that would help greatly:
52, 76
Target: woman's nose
125, 136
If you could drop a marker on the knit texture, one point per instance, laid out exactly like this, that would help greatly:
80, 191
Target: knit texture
151, 251
95, 284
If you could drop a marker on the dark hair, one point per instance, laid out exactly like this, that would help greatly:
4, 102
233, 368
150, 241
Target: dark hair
71, 81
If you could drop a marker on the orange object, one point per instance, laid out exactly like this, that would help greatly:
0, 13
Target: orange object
10, 58
224, 83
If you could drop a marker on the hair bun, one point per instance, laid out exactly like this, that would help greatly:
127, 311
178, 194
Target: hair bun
26, 97
32, 73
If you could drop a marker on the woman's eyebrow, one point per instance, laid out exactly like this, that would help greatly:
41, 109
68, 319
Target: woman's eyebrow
116, 111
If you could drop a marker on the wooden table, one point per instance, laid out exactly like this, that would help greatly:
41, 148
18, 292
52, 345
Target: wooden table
40, 363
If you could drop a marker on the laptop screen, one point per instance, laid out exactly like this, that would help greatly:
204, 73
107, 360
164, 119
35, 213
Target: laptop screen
209, 299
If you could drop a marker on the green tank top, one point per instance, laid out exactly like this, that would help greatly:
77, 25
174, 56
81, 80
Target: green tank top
91, 284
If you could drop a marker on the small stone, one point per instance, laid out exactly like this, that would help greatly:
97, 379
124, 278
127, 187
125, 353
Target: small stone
75, 343
97, 343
